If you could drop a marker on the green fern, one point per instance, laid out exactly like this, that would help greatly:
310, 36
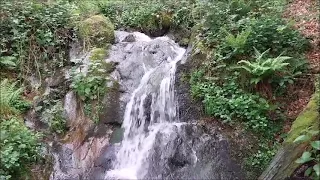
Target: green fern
9, 94
263, 68
8, 62
239, 41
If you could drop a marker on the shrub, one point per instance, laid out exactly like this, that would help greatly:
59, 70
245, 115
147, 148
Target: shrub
19, 147
228, 102
91, 85
140, 15
150, 17
275, 34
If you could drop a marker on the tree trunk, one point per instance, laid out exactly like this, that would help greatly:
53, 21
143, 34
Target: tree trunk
283, 164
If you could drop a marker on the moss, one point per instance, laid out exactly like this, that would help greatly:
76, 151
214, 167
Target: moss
97, 31
184, 42
309, 118
98, 54
165, 19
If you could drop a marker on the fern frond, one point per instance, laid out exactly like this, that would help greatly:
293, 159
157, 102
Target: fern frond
8, 95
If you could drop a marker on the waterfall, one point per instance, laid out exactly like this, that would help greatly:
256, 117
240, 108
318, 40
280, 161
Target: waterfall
151, 110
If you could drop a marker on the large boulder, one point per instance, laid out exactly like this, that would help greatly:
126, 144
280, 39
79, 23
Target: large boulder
97, 31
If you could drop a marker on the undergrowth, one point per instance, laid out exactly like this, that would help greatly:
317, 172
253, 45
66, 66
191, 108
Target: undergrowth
36, 36
252, 55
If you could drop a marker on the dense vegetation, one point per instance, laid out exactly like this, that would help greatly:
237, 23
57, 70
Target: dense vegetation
251, 56
34, 41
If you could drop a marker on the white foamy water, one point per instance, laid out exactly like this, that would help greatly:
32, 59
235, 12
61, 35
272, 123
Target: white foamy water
140, 132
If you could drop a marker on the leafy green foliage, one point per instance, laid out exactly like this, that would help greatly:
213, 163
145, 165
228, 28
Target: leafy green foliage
260, 159
312, 155
19, 147
232, 29
237, 43
8, 62
228, 102
10, 99
275, 34
35, 36
149, 16
140, 15
263, 68
90, 85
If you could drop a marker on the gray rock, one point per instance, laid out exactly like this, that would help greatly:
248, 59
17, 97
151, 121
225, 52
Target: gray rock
71, 107
192, 153
104, 162
188, 110
117, 135
129, 38
111, 112
56, 79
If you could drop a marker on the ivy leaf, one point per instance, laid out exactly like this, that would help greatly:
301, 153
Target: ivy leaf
302, 138
315, 144
306, 157
308, 171
316, 168
87, 90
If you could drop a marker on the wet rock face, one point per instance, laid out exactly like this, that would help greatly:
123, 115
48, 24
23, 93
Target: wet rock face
111, 107
70, 107
76, 153
133, 54
188, 110
104, 162
192, 153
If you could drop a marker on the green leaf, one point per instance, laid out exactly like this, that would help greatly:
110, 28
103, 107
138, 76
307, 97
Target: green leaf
313, 132
87, 90
302, 138
316, 168
306, 157
308, 171
315, 144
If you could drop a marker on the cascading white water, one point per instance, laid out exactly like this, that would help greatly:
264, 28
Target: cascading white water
140, 131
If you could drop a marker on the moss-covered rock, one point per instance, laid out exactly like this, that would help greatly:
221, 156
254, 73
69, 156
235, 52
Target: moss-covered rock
157, 25
165, 19
98, 54
97, 31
